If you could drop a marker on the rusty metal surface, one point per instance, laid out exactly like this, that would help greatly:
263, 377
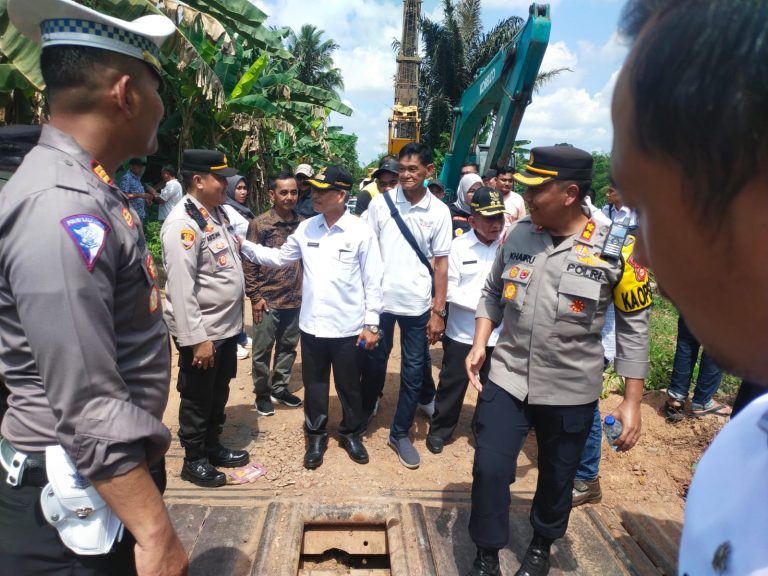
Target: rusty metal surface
428, 540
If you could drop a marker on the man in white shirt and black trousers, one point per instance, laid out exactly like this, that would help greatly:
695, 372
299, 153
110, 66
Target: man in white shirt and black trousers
340, 309
469, 262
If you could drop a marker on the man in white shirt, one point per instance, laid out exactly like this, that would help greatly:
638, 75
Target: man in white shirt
170, 194
409, 300
341, 304
471, 258
513, 202
615, 211
672, 108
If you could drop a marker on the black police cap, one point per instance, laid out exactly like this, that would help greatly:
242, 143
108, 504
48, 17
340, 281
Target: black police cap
212, 161
548, 163
332, 177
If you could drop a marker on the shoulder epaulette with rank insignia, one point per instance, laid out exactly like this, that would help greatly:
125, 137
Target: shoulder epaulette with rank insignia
98, 169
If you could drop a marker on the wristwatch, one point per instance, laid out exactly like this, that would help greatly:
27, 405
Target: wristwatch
372, 328
442, 313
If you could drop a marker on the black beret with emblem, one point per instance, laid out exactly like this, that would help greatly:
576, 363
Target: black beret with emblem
548, 163
487, 201
212, 161
332, 177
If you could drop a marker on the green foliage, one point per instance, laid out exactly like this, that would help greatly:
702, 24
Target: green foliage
152, 235
662, 354
601, 173
314, 58
229, 83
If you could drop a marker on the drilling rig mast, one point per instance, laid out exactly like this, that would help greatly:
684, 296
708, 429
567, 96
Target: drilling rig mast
405, 124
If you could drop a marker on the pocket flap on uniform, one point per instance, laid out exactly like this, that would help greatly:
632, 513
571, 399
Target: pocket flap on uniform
579, 286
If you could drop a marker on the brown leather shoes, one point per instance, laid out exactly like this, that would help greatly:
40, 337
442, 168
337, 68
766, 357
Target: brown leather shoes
585, 491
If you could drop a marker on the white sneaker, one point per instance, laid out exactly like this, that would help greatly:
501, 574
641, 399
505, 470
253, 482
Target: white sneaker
242, 353
248, 342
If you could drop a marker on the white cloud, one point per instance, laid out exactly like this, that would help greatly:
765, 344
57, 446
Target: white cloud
558, 55
573, 115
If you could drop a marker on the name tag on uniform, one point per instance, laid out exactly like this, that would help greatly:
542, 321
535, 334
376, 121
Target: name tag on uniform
211, 237
470, 262
313, 244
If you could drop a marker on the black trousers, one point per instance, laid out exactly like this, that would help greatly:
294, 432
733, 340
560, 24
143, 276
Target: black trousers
318, 356
29, 545
453, 386
501, 426
204, 395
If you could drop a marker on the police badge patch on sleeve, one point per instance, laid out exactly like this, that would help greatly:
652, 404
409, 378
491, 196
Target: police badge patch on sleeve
89, 234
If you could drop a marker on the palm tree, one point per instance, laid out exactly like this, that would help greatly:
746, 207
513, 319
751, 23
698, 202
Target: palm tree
314, 57
455, 50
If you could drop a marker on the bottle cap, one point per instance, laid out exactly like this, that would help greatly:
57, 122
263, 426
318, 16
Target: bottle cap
610, 420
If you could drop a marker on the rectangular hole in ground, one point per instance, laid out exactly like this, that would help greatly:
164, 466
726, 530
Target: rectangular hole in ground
353, 549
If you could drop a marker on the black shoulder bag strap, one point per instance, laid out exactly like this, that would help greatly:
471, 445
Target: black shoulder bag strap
408, 235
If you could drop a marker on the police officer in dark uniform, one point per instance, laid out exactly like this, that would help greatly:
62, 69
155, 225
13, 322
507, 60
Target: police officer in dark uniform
83, 345
205, 291
551, 283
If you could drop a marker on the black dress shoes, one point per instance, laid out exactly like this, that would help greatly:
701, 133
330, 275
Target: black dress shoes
227, 458
200, 472
486, 563
536, 560
354, 447
435, 444
316, 447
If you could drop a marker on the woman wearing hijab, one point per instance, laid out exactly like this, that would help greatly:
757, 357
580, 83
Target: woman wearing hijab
460, 209
239, 216
237, 211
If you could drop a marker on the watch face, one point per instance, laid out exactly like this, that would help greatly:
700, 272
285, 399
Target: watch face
373, 329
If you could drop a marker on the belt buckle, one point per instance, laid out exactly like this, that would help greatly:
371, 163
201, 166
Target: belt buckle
13, 461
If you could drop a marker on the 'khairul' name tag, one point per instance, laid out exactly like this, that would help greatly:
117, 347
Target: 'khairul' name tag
313, 244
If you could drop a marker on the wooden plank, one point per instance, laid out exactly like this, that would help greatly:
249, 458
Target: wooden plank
352, 539
187, 520
655, 536
227, 542
625, 548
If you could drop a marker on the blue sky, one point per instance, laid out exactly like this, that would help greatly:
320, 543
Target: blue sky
573, 108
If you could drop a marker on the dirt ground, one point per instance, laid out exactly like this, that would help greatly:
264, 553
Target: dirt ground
658, 470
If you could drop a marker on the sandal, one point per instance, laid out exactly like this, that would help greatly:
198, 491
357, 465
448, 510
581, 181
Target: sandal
716, 408
674, 410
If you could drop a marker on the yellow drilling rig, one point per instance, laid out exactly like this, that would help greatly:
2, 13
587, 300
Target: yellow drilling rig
405, 124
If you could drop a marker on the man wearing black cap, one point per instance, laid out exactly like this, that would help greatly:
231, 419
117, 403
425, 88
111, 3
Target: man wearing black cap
471, 257
551, 284
384, 178
204, 291
84, 332
341, 304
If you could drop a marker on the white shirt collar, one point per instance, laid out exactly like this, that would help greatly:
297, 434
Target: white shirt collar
423, 203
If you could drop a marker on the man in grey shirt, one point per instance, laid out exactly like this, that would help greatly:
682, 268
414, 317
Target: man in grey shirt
551, 283
83, 345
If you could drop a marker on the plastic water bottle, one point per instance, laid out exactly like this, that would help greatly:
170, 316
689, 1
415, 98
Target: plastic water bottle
612, 429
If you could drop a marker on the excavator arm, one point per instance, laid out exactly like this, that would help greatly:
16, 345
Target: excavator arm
506, 85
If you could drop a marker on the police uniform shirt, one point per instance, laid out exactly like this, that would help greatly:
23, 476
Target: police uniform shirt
342, 274
407, 284
726, 514
83, 345
205, 287
469, 262
553, 302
